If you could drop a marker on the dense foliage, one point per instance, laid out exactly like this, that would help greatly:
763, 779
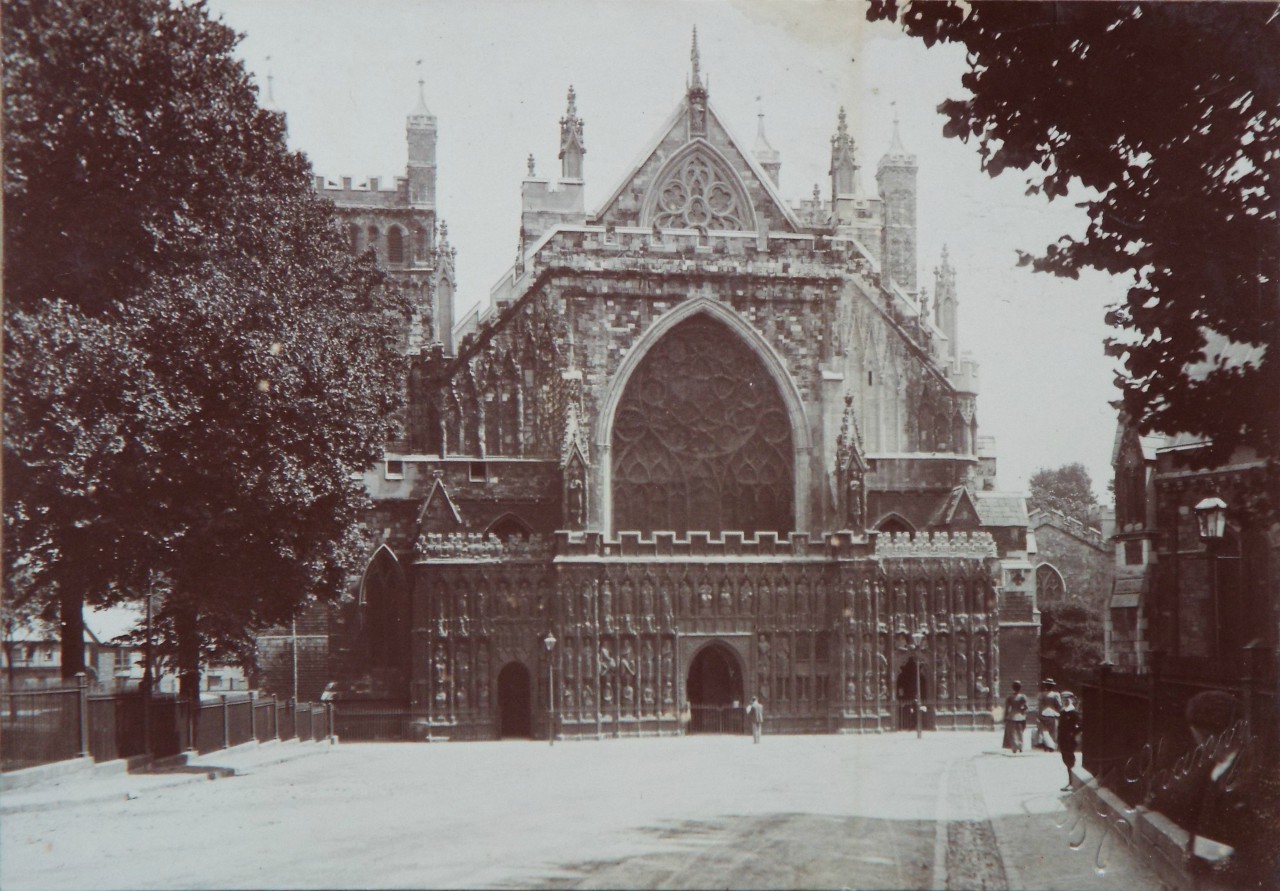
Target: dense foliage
196, 369
1068, 489
1170, 114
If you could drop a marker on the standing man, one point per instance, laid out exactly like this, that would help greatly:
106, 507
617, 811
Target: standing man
1015, 718
755, 715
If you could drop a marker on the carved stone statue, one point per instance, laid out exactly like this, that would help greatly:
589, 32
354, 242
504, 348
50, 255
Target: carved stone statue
626, 603
576, 508
726, 598
646, 604
746, 597
667, 609
853, 503
606, 605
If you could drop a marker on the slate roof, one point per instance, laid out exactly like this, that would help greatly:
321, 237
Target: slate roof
1001, 508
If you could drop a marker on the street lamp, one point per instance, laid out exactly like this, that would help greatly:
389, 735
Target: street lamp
917, 640
1211, 516
550, 642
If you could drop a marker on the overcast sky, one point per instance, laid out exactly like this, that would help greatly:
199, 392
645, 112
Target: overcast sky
496, 73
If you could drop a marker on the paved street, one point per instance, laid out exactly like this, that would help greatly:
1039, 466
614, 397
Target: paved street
949, 811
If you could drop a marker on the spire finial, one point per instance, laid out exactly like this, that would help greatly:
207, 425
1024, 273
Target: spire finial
573, 103
530, 163
897, 137
422, 91
696, 59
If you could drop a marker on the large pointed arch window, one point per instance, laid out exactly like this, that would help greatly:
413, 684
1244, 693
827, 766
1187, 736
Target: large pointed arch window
702, 439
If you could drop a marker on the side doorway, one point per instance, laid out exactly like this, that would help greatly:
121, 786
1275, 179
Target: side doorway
515, 702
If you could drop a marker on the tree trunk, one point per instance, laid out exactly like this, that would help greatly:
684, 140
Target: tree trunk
71, 626
186, 627
71, 582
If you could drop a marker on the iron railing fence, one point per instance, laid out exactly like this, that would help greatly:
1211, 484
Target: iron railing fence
372, 721
42, 726
1135, 728
717, 719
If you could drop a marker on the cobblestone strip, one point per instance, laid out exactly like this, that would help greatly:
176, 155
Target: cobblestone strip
972, 857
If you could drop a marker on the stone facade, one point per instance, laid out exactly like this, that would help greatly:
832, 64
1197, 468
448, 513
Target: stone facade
700, 445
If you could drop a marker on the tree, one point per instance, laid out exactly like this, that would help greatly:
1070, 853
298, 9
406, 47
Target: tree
1170, 113
196, 368
1071, 641
1067, 489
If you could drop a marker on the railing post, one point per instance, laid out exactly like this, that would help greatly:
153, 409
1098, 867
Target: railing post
83, 680
328, 720
226, 724
253, 727
275, 717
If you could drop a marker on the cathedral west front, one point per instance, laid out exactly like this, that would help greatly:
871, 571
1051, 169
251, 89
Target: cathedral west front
701, 444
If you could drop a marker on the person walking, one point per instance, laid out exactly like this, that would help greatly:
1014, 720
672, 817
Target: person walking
1015, 718
755, 716
1068, 734
1050, 708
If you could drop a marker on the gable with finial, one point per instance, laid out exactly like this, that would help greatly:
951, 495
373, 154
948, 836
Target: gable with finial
697, 175
438, 512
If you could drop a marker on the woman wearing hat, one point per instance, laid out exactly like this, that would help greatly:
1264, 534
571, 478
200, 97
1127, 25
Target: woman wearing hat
1050, 709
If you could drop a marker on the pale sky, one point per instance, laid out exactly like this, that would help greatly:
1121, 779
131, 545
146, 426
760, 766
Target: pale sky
496, 73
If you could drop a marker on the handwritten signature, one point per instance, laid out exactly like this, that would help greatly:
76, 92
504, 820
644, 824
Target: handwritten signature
1142, 771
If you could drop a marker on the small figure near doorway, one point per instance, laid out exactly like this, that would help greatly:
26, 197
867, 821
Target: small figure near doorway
755, 716
1015, 718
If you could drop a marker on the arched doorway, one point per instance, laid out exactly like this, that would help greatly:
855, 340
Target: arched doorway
702, 438
515, 702
714, 691
906, 695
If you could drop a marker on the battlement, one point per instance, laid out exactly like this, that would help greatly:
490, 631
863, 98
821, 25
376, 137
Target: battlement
473, 547
702, 546
372, 192
936, 544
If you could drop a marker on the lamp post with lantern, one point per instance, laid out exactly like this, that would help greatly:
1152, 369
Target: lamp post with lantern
1211, 520
550, 643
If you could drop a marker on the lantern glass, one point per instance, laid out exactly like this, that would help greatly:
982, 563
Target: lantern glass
550, 641
1211, 517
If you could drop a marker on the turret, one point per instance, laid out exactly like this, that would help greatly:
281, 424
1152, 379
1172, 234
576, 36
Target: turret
544, 205
442, 290
945, 303
844, 169
896, 180
768, 157
572, 147
420, 132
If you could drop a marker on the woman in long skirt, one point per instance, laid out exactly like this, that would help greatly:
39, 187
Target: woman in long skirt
1015, 718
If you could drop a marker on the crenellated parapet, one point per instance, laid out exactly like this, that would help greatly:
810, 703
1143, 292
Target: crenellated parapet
936, 544
477, 547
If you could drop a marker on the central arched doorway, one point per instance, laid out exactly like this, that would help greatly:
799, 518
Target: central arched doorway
714, 691
515, 702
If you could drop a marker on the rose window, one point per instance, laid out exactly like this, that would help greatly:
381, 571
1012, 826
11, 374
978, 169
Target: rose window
698, 195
